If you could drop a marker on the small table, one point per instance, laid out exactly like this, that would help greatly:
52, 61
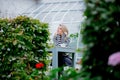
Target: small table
55, 52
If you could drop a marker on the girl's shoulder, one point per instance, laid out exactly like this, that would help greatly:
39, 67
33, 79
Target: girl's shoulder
55, 34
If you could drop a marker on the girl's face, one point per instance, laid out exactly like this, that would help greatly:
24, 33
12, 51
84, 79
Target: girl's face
60, 31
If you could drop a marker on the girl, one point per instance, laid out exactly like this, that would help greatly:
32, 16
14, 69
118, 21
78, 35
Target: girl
61, 40
61, 36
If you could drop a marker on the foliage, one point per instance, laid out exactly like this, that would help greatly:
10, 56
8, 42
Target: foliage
75, 35
22, 46
68, 74
101, 38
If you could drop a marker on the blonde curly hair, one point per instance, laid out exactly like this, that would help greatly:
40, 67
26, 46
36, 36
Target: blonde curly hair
64, 28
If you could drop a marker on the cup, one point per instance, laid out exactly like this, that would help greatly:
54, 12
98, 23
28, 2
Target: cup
63, 45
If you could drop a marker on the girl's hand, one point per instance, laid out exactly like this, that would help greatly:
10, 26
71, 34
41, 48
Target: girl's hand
66, 33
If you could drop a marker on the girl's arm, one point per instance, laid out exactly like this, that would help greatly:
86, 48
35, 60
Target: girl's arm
67, 41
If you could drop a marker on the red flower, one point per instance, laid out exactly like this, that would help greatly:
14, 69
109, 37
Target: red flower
39, 65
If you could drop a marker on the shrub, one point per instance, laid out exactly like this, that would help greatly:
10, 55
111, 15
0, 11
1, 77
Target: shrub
101, 38
22, 46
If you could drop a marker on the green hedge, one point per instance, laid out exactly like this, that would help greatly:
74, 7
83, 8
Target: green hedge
101, 36
22, 46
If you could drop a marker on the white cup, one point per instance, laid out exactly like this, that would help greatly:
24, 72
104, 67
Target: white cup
63, 45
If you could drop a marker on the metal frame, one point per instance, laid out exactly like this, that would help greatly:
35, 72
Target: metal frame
67, 12
71, 9
36, 9
42, 11
59, 12
50, 12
